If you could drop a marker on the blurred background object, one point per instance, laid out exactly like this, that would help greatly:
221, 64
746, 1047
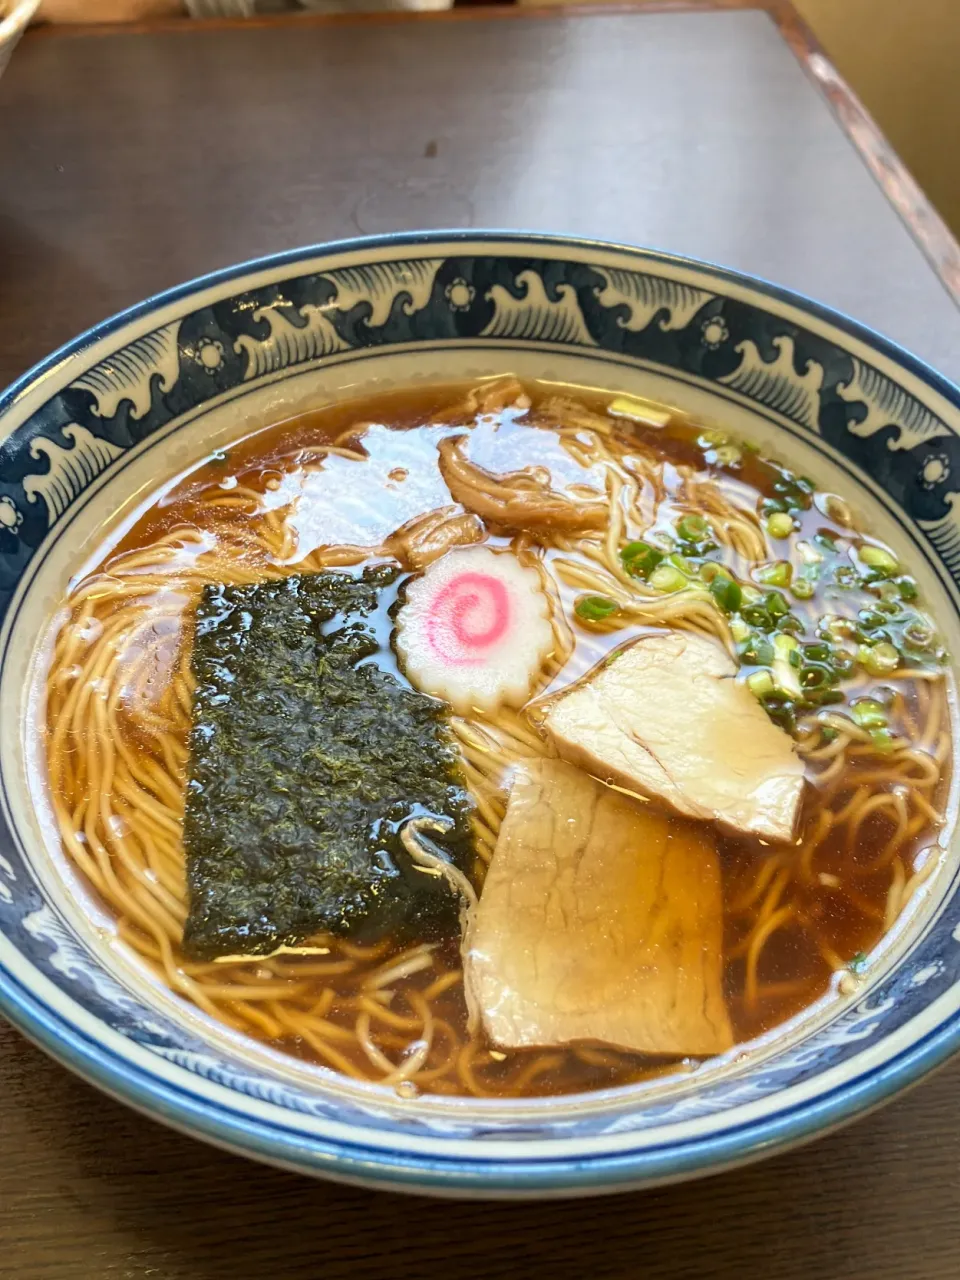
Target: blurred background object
902, 60
14, 17
106, 10
94, 11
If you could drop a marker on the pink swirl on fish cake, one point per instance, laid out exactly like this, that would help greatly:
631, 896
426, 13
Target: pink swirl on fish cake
451, 624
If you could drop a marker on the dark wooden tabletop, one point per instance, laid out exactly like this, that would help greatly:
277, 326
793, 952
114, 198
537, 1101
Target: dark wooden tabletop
129, 162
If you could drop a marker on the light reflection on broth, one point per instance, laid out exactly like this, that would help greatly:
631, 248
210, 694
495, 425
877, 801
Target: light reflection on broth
329, 490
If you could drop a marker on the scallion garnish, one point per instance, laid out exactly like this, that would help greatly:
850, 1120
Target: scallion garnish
869, 714
879, 559
726, 592
668, 578
640, 559
595, 608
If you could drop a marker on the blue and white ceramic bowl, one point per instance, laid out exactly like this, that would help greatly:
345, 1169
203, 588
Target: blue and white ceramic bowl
143, 395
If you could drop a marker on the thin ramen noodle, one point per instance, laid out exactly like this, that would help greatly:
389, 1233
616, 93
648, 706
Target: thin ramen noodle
686, 531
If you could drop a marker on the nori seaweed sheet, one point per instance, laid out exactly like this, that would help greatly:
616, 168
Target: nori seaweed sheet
305, 760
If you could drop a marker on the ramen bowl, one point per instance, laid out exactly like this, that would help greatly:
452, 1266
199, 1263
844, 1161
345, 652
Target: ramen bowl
143, 396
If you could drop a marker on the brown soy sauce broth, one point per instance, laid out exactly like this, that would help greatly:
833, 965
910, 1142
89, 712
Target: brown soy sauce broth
826, 898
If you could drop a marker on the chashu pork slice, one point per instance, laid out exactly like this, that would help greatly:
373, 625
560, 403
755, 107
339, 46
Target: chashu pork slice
666, 718
600, 921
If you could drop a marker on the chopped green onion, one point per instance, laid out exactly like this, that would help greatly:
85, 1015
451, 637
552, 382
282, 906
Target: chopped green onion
844, 663
760, 683
668, 578
726, 592
828, 733
779, 524
756, 615
803, 588
908, 589
692, 528
739, 630
878, 659
682, 563
882, 739
640, 559
709, 570
776, 604
826, 542
837, 627
728, 455
869, 714
710, 439
777, 573
751, 595
595, 608
786, 659
781, 710
844, 576
879, 558
857, 963
823, 697
817, 652
791, 624
757, 651
814, 678
870, 619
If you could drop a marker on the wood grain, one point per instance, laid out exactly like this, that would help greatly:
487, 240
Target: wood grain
131, 162
90, 1190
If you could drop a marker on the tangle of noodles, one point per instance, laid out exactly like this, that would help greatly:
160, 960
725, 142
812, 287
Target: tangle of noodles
118, 714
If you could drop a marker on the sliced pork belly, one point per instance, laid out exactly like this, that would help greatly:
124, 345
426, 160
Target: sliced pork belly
600, 921
665, 718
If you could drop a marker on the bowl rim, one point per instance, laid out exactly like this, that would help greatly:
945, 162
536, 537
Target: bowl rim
451, 1174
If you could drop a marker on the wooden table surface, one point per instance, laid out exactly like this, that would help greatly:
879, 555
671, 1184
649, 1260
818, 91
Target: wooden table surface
129, 162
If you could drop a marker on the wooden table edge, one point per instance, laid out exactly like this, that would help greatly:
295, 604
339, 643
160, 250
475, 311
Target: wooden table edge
928, 229
931, 233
